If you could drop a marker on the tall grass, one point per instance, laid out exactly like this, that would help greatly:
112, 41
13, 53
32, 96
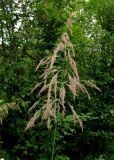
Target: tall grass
60, 77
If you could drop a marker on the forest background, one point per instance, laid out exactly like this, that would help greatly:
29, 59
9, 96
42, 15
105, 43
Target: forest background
79, 36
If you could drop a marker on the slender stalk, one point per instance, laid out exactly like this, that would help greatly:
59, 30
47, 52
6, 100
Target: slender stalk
54, 139
0, 138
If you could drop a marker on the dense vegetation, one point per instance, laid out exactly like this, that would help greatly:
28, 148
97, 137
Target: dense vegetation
78, 35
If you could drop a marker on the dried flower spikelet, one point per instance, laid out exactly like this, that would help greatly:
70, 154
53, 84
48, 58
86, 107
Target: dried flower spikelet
54, 111
33, 106
43, 61
73, 66
35, 87
72, 14
40, 63
65, 55
43, 89
76, 117
49, 123
91, 85
11, 105
46, 114
59, 47
83, 89
65, 38
55, 86
69, 25
69, 22
70, 45
62, 100
62, 95
47, 73
58, 107
32, 120
47, 110
73, 86
53, 59
53, 80
48, 62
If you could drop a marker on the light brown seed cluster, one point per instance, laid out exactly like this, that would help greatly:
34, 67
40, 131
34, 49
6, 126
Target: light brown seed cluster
55, 88
5, 108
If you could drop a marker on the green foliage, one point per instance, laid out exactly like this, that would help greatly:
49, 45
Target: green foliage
41, 24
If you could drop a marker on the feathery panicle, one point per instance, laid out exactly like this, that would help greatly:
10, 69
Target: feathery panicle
33, 106
47, 72
73, 66
53, 81
4, 108
34, 88
83, 89
43, 61
40, 63
47, 108
43, 89
55, 86
59, 47
65, 38
53, 59
62, 99
47, 62
76, 117
33, 119
73, 86
91, 85
72, 48
49, 123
